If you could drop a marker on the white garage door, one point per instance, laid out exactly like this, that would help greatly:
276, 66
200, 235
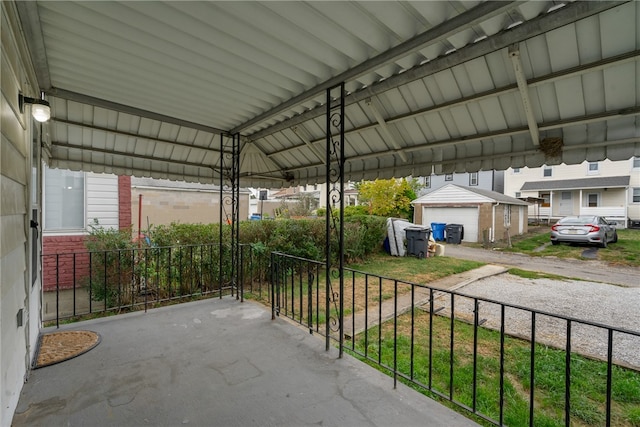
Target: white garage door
468, 217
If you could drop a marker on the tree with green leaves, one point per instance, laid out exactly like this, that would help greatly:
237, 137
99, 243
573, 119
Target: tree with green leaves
389, 197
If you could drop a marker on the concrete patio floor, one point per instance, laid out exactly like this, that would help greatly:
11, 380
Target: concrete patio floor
217, 363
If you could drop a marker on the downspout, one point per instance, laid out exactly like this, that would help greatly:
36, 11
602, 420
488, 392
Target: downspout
627, 196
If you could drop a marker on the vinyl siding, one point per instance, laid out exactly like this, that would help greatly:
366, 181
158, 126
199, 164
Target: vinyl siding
102, 199
16, 342
514, 181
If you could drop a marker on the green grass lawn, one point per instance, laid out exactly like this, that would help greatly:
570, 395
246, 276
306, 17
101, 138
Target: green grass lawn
626, 252
587, 386
413, 269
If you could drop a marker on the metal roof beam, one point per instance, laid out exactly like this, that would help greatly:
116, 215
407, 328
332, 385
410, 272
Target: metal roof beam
136, 135
502, 133
126, 109
30, 20
523, 88
375, 107
303, 134
537, 81
446, 29
82, 148
570, 13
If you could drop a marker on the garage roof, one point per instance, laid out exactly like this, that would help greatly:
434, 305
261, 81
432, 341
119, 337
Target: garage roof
153, 88
452, 194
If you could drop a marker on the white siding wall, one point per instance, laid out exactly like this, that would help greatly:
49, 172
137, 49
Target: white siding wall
16, 342
487, 180
452, 195
102, 199
514, 181
634, 182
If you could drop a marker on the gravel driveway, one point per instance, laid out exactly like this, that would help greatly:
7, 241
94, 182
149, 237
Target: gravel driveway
591, 270
608, 296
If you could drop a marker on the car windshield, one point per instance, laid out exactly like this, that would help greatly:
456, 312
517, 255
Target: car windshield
580, 220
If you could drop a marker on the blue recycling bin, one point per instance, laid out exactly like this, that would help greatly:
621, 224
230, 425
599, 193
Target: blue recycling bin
437, 230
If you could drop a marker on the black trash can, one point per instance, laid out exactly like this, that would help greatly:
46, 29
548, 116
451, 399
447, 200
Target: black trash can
417, 241
455, 233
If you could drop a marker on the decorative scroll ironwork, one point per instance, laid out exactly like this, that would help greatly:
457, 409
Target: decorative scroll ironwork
230, 206
235, 210
335, 212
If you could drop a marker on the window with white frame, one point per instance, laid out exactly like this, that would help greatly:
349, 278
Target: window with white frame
448, 177
636, 195
64, 207
518, 194
547, 171
593, 200
427, 182
546, 199
473, 178
636, 162
593, 168
516, 171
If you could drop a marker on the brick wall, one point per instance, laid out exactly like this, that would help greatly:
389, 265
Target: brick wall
58, 258
124, 202
60, 252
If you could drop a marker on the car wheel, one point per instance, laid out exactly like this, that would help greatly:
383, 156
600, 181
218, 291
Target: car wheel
604, 242
555, 242
615, 237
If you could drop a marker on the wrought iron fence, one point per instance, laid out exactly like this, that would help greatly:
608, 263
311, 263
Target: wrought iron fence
482, 355
487, 357
85, 283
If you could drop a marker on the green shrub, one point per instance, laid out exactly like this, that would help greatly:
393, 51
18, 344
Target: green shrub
174, 262
356, 210
110, 263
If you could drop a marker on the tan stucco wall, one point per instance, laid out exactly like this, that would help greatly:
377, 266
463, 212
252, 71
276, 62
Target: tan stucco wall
164, 206
485, 221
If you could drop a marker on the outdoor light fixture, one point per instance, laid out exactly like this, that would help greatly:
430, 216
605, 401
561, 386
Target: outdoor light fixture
40, 109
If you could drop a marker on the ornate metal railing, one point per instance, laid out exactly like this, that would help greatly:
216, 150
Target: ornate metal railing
93, 282
490, 358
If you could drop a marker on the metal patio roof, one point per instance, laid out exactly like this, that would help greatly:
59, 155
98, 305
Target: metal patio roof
151, 88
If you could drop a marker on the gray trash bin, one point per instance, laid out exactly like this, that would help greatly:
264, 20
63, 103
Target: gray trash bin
417, 241
455, 233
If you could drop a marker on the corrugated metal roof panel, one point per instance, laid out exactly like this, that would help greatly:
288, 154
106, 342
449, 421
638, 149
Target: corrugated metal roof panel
148, 87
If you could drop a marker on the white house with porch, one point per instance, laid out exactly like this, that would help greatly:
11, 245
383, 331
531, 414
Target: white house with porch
606, 188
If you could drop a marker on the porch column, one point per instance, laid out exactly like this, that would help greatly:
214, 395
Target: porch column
235, 213
221, 217
335, 226
229, 207
580, 202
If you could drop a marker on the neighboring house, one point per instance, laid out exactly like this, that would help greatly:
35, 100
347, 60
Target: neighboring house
165, 201
606, 188
485, 215
484, 180
317, 193
73, 201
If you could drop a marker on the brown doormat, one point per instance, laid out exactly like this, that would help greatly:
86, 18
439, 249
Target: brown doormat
56, 347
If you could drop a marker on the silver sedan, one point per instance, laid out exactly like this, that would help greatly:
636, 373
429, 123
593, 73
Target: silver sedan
584, 229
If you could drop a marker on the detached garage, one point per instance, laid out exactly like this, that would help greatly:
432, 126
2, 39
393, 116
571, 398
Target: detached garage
480, 212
